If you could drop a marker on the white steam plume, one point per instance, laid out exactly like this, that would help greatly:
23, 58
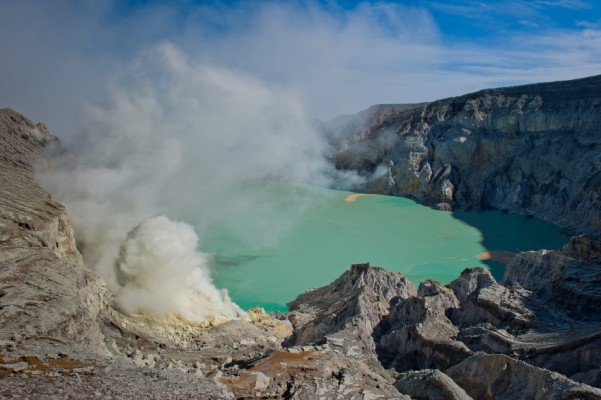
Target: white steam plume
161, 272
181, 138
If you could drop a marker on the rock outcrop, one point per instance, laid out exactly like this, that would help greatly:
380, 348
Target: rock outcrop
360, 297
45, 290
531, 149
496, 376
475, 337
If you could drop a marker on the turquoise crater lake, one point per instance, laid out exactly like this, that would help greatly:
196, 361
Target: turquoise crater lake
311, 235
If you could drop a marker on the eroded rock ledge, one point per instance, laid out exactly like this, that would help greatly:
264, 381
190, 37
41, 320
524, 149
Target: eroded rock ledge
368, 335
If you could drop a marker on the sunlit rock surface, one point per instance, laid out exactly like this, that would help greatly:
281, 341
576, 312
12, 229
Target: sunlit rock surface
45, 290
531, 149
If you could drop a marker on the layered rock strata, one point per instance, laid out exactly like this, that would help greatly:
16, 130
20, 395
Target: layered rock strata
533, 149
46, 291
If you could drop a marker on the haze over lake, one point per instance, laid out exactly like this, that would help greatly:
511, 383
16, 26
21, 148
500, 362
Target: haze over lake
335, 229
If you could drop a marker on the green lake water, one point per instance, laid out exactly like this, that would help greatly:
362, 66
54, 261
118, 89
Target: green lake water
305, 237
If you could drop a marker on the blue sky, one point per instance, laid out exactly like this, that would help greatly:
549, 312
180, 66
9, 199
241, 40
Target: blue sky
334, 56
493, 19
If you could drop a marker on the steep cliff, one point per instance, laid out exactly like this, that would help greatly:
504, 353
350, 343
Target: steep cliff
531, 149
45, 289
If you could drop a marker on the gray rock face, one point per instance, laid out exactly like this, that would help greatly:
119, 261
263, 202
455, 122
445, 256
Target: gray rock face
531, 149
53, 309
573, 273
430, 384
496, 376
470, 281
345, 316
501, 340
417, 333
361, 296
45, 290
516, 335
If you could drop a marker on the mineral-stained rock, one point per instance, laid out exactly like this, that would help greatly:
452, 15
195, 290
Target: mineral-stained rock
313, 373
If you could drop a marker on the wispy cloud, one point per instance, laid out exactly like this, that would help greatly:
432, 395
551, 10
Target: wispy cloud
335, 59
501, 15
469, 8
554, 55
570, 4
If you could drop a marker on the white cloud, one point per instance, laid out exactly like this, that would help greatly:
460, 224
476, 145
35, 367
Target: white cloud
186, 140
569, 4
336, 60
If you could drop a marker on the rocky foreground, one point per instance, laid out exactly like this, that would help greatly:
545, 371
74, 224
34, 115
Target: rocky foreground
368, 335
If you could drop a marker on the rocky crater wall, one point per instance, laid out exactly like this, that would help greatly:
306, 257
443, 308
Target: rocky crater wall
533, 149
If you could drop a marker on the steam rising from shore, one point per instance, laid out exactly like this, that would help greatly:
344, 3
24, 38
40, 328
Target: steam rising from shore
182, 138
161, 272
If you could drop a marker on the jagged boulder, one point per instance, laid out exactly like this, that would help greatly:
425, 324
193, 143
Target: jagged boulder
496, 376
470, 281
483, 300
360, 297
430, 384
417, 333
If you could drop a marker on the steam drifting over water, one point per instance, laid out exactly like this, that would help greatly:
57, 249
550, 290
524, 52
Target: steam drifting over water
180, 138
178, 135
161, 272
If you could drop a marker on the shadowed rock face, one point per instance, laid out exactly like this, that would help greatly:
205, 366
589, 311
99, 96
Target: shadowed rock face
531, 149
430, 384
495, 376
